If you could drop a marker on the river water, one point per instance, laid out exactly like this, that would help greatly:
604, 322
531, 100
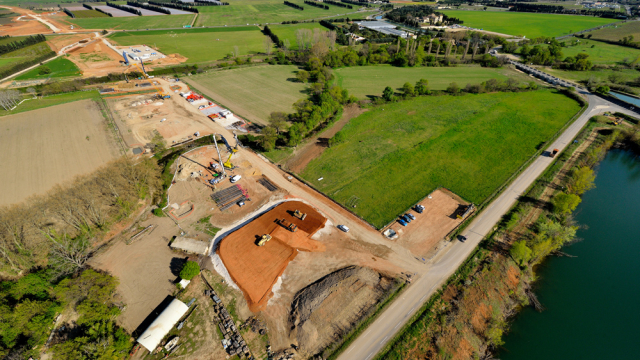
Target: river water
591, 301
629, 99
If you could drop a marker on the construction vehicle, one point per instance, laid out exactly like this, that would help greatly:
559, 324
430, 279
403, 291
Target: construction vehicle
264, 239
231, 150
554, 153
288, 225
299, 215
617, 121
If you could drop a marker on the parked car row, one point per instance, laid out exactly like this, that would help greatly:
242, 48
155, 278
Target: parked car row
405, 219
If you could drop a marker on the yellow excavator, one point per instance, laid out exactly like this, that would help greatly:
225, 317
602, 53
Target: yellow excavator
264, 239
228, 163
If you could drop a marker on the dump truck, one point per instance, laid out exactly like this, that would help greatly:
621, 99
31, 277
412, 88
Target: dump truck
554, 153
288, 225
299, 215
264, 239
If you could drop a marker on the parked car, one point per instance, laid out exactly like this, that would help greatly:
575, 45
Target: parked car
402, 222
410, 216
419, 209
462, 238
405, 218
236, 178
343, 228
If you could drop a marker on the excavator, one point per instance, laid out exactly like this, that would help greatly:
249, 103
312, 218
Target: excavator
231, 150
299, 214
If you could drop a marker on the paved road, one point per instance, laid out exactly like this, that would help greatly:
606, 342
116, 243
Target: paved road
447, 262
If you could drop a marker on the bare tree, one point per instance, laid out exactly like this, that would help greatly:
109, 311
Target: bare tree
31, 91
268, 45
67, 254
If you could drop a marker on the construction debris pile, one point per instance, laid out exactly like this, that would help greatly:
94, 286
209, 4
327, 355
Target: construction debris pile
233, 342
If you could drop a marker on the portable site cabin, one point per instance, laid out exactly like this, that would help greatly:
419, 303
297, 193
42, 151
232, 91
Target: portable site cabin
161, 326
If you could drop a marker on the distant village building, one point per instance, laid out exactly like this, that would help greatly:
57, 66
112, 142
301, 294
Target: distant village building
431, 19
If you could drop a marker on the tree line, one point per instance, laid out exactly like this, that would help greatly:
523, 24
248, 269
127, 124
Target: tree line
358, 3
178, 6
125, 8
149, 7
59, 228
207, 3
16, 45
316, 4
295, 6
335, 3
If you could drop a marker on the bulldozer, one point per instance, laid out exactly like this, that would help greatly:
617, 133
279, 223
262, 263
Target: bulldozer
288, 225
264, 239
299, 215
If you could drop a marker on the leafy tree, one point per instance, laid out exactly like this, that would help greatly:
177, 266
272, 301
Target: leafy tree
190, 270
422, 87
44, 70
387, 94
453, 88
407, 90
337, 138
278, 120
302, 76
582, 180
268, 139
565, 203
520, 253
603, 90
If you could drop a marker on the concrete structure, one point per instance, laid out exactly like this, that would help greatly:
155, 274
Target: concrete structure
161, 326
191, 246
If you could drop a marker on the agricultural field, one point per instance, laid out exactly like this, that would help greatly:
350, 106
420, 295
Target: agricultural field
602, 53
6, 16
253, 92
615, 33
46, 147
364, 81
198, 45
84, 14
531, 25
133, 22
57, 68
288, 32
394, 157
242, 12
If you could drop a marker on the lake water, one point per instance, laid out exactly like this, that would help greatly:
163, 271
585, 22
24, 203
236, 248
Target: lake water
591, 302
629, 99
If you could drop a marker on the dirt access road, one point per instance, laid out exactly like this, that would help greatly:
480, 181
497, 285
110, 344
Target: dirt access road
443, 265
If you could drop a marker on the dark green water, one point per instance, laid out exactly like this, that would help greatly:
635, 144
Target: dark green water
591, 302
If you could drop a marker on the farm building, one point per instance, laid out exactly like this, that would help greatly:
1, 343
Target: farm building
161, 326
383, 27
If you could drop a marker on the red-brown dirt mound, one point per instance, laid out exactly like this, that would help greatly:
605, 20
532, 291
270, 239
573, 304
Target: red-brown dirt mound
256, 268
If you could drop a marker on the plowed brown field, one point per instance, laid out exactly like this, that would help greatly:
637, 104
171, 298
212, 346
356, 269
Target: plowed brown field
256, 268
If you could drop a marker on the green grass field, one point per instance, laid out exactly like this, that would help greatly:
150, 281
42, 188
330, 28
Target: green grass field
242, 12
198, 45
289, 31
363, 81
60, 68
133, 22
12, 39
51, 101
602, 53
615, 33
530, 25
468, 144
22, 55
252, 92
84, 14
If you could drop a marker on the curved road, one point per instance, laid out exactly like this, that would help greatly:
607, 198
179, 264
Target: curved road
371, 341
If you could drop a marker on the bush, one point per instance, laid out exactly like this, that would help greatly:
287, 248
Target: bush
158, 212
190, 270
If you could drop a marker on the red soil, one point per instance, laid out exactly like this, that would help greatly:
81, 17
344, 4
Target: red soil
257, 268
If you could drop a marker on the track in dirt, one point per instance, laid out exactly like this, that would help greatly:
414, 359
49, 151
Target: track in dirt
316, 145
256, 268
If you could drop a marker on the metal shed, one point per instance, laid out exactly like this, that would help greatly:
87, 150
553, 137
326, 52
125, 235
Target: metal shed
161, 326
